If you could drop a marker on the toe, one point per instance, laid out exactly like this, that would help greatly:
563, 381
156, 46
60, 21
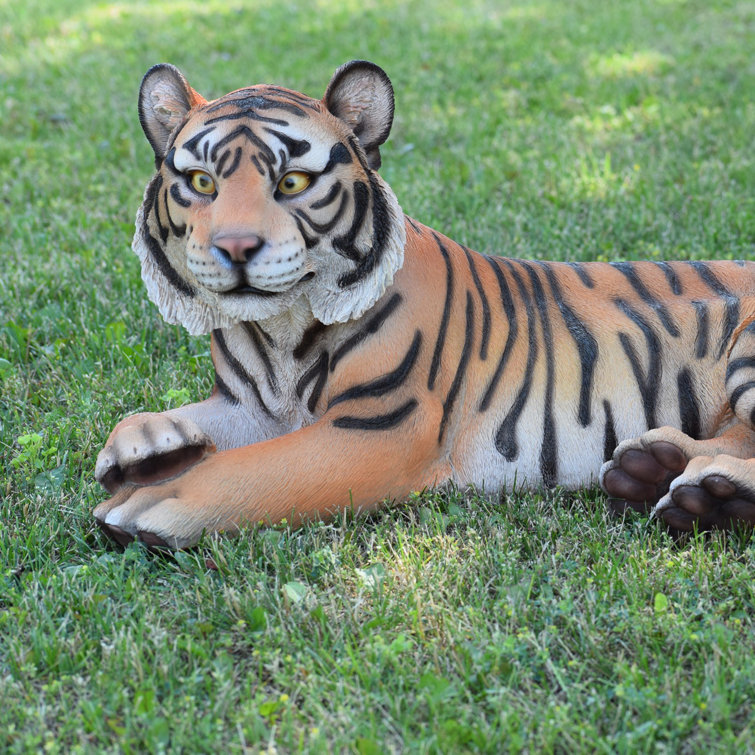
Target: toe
642, 466
619, 484
668, 455
719, 486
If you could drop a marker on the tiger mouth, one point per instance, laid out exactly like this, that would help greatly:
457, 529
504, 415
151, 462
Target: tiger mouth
248, 289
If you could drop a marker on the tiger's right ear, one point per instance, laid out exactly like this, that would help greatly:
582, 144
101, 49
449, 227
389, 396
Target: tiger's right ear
164, 99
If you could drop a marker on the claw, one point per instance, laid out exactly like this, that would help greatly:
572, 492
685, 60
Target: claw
122, 537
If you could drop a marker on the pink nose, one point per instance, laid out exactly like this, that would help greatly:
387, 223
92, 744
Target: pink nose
238, 249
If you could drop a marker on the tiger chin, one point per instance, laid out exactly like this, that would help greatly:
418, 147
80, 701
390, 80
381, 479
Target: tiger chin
360, 356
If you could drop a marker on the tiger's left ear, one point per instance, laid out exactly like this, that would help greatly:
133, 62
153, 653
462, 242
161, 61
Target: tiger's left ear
361, 95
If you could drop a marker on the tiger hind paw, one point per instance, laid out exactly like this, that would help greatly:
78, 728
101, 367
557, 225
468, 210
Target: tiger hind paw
641, 471
712, 493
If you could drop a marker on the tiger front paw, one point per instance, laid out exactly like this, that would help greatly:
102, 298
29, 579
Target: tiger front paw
642, 469
712, 493
170, 515
149, 448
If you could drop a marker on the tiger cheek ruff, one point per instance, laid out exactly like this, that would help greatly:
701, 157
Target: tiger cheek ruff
360, 356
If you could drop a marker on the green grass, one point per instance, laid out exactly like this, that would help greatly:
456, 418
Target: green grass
542, 129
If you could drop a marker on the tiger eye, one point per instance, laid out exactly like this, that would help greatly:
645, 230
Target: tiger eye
202, 182
294, 182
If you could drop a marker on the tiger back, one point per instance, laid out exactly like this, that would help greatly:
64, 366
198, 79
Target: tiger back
360, 355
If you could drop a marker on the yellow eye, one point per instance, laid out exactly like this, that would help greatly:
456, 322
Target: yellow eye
294, 182
202, 182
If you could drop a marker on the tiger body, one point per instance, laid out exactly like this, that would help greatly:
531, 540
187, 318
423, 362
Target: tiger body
360, 356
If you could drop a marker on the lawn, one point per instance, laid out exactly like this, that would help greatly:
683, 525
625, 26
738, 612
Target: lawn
535, 128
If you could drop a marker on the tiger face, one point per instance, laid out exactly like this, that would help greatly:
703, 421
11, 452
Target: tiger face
266, 200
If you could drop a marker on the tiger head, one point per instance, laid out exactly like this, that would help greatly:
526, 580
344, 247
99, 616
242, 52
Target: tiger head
265, 200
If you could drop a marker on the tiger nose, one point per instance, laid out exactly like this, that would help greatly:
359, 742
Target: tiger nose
237, 249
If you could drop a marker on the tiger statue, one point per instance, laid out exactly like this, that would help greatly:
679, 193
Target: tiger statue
360, 356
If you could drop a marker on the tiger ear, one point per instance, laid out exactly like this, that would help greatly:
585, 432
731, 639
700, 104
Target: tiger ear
361, 95
164, 99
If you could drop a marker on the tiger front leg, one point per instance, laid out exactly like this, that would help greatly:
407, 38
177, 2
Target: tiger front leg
151, 447
312, 473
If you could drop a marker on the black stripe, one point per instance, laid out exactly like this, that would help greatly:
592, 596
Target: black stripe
163, 229
689, 410
381, 224
257, 165
483, 302
259, 347
169, 162
339, 155
323, 228
738, 392
629, 271
178, 230
344, 245
309, 241
220, 164
296, 97
582, 273
247, 102
175, 193
671, 277
238, 369
650, 385
587, 346
251, 99
318, 370
701, 339
609, 433
156, 251
371, 327
244, 131
510, 312
308, 339
416, 228
739, 364
329, 198
549, 449
391, 381
732, 302
192, 144
295, 147
264, 334
225, 391
505, 439
441, 339
461, 368
379, 422
233, 167
248, 115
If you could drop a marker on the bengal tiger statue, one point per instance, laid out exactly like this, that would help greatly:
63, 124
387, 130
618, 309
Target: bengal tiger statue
360, 356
